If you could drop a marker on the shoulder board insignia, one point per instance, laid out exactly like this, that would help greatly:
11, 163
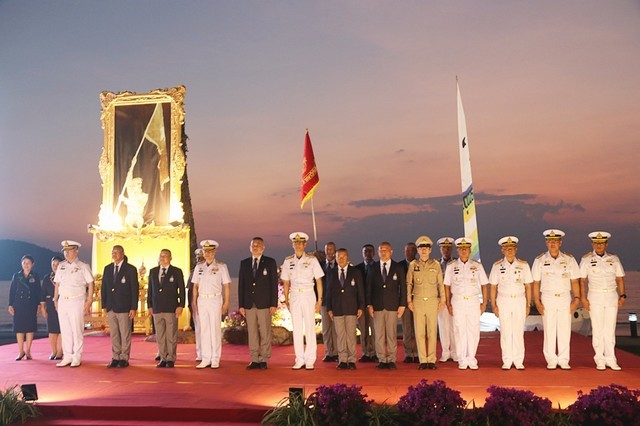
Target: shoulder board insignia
289, 257
452, 261
567, 254
540, 255
522, 261
588, 254
219, 263
497, 262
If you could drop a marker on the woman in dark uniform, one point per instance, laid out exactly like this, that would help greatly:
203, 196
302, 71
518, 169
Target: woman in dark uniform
24, 303
49, 310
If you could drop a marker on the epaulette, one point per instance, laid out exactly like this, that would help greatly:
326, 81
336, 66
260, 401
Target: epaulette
413, 261
588, 254
310, 254
521, 260
451, 261
567, 254
289, 257
219, 263
540, 255
497, 262
477, 261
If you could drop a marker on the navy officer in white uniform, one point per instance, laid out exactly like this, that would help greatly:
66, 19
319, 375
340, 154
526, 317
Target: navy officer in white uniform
603, 273
298, 272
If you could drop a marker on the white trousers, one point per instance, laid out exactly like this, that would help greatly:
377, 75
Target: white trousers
557, 327
466, 327
512, 317
604, 313
210, 315
196, 324
446, 334
303, 318
71, 316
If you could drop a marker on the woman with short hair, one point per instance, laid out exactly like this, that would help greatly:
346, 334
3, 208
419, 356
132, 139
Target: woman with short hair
24, 303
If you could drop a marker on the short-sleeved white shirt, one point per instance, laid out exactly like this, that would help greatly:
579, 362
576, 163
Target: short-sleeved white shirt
555, 275
510, 277
465, 279
301, 272
211, 278
601, 271
73, 278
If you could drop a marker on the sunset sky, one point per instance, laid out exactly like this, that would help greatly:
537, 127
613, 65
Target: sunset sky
550, 89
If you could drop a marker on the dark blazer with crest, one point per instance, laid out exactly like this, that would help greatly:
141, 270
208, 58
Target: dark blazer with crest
120, 295
347, 300
389, 294
167, 295
261, 290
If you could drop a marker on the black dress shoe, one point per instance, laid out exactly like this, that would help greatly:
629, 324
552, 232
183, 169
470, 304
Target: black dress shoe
422, 366
365, 358
352, 366
382, 366
253, 366
123, 363
58, 357
170, 364
263, 365
431, 366
52, 357
342, 366
416, 360
408, 360
392, 366
19, 357
327, 359
161, 364
158, 358
374, 358
114, 363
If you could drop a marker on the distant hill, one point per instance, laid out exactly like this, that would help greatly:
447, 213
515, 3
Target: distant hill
11, 252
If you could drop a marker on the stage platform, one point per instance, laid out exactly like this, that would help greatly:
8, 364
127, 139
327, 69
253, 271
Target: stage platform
143, 394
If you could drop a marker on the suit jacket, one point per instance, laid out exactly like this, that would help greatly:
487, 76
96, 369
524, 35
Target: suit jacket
120, 295
168, 294
405, 266
389, 294
261, 290
326, 279
347, 300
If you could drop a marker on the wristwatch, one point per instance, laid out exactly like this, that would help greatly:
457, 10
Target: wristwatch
623, 296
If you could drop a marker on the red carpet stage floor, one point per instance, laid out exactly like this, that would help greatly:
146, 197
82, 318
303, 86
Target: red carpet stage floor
144, 394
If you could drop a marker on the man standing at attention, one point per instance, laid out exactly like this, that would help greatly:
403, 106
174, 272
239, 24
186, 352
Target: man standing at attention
329, 337
298, 272
258, 300
465, 282
120, 300
211, 293
555, 276
386, 296
510, 280
365, 322
605, 276
408, 333
425, 296
445, 320
73, 296
165, 301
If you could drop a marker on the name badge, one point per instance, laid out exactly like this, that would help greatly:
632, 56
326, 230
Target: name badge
395, 277
264, 272
171, 279
353, 283
123, 280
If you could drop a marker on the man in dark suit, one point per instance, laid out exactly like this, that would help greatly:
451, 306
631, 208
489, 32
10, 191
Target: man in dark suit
120, 301
329, 337
408, 333
365, 322
345, 304
386, 295
258, 300
166, 300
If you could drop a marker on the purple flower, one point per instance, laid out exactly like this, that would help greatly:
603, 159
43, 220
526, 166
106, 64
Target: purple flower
611, 405
509, 406
433, 404
341, 404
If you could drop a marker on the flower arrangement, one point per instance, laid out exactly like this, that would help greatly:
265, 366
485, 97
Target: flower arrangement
340, 404
509, 406
434, 404
610, 405
234, 319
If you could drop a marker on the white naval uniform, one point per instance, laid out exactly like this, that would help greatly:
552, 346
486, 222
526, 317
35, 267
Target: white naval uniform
445, 328
601, 273
510, 279
465, 280
210, 280
555, 277
302, 300
72, 279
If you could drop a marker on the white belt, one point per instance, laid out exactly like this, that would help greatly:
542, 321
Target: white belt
555, 294
603, 290
210, 296
511, 296
72, 297
301, 290
466, 297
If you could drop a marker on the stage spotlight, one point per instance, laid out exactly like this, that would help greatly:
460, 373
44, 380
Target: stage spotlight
633, 324
295, 393
29, 392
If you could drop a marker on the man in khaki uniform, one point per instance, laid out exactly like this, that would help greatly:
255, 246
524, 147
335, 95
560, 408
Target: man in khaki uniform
425, 296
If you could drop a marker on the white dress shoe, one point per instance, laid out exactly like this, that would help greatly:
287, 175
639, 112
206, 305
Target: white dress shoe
506, 366
551, 366
600, 366
308, 367
63, 363
614, 366
297, 366
519, 366
565, 366
203, 364
75, 364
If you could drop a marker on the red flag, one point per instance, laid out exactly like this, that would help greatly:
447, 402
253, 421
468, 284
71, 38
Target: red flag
310, 178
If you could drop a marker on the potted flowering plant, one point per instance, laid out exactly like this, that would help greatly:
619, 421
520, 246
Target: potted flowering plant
611, 405
509, 406
433, 404
340, 404
235, 329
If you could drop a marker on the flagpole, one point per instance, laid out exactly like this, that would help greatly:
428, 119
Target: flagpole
313, 217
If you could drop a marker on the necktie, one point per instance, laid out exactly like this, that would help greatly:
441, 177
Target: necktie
384, 271
342, 277
255, 266
115, 272
164, 273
